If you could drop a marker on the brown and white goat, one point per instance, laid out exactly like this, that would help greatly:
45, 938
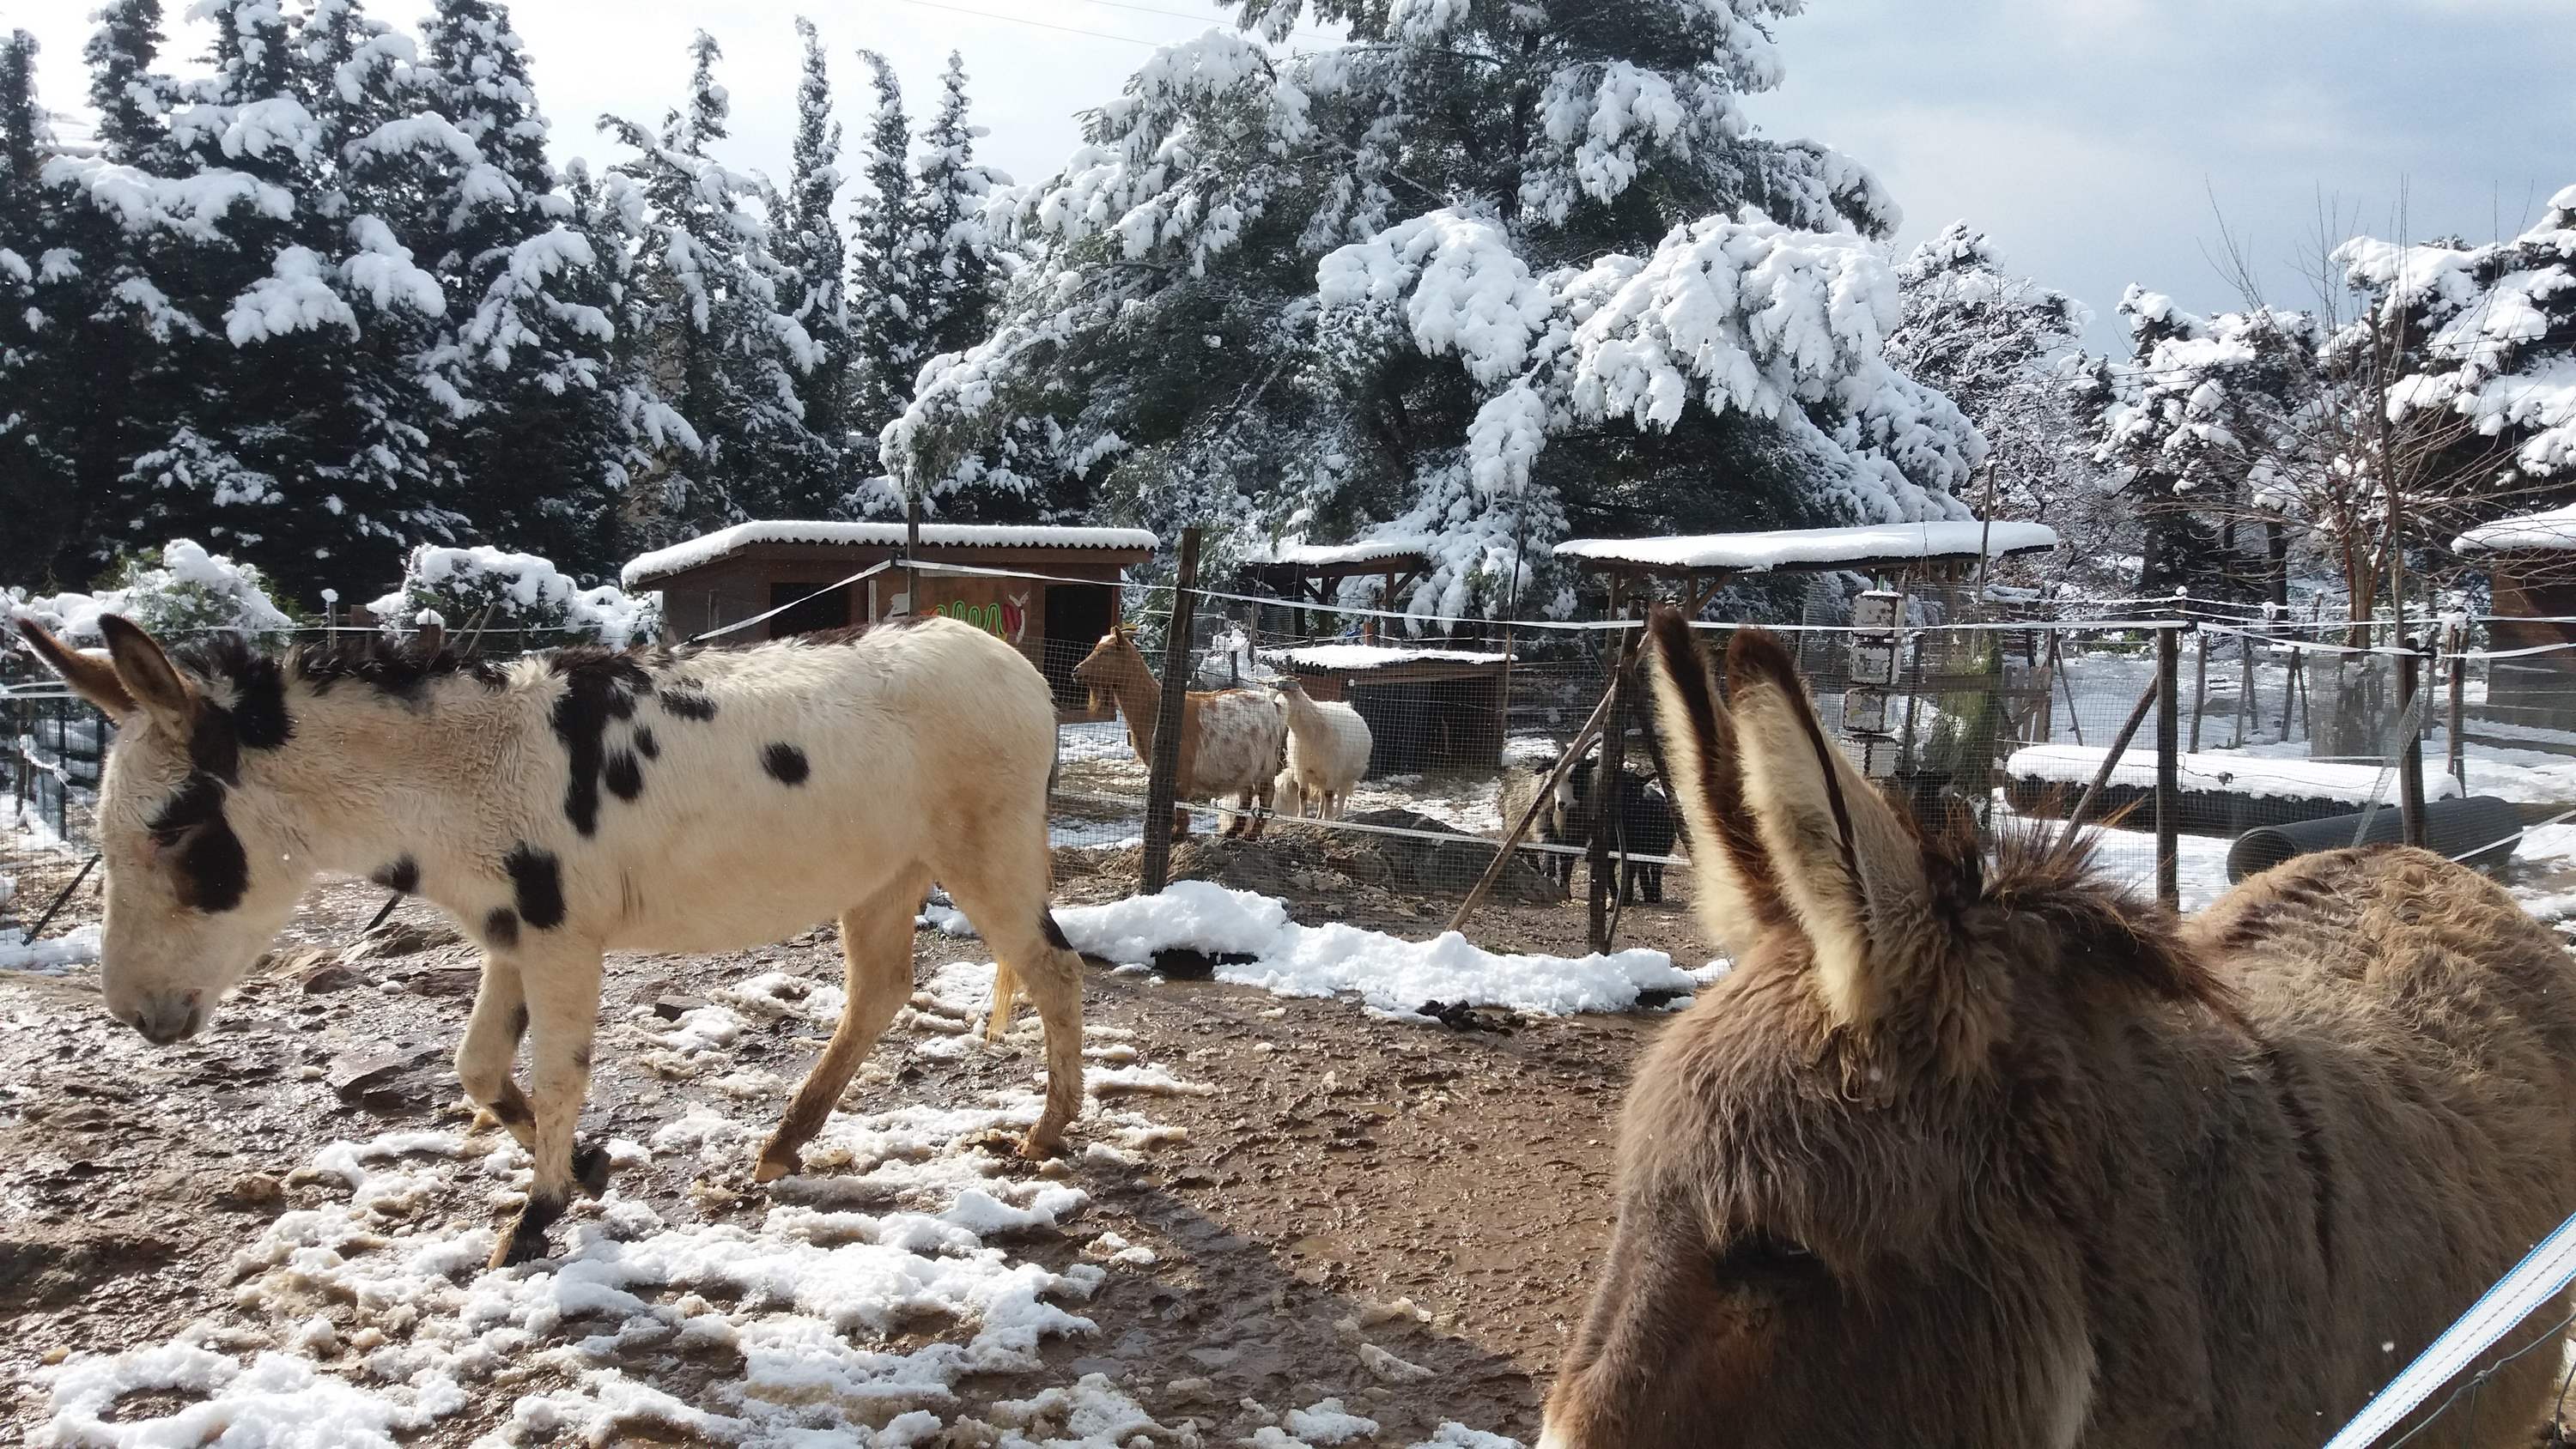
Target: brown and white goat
1231, 739
566, 804
1970, 1152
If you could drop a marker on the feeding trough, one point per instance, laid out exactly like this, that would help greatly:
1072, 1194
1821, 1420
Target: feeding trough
2480, 830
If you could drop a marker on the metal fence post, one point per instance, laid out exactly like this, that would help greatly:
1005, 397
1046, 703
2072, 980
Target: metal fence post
2458, 751
1161, 779
2168, 769
2410, 754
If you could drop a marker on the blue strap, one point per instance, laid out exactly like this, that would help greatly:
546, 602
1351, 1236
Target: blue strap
2540, 1277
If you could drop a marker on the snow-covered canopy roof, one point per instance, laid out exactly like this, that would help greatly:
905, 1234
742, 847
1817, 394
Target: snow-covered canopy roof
1329, 555
2554, 531
707, 548
1354, 658
1791, 548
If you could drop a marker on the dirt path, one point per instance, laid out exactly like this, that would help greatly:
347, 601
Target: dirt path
1341, 1168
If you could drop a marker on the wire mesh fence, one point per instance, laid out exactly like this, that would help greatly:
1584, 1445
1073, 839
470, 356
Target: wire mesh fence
2021, 720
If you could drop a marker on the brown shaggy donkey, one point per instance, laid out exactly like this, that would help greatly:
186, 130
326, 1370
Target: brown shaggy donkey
1995, 1156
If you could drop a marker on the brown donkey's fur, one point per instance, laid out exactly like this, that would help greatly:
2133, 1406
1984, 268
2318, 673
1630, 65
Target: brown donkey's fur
1992, 1154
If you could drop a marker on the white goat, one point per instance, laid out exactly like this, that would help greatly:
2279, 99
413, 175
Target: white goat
1328, 751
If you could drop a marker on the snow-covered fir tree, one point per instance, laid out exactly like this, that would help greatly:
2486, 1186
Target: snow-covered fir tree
811, 257
526, 405
2210, 427
132, 98
728, 356
35, 419
957, 268
887, 341
1485, 276
2000, 346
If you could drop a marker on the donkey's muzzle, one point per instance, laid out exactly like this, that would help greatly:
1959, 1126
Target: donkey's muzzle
164, 1019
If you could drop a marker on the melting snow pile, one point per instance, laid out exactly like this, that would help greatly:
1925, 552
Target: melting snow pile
2225, 773
74, 947
1388, 973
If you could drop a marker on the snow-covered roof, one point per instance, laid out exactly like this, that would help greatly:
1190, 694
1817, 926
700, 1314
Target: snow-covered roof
1326, 555
706, 548
1813, 547
1354, 658
2554, 531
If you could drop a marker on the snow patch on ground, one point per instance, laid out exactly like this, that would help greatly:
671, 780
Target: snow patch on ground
1390, 974
75, 947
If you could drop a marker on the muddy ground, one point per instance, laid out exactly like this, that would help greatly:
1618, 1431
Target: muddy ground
1343, 1163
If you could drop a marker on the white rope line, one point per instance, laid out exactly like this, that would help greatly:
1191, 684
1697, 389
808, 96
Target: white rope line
2542, 1274
868, 572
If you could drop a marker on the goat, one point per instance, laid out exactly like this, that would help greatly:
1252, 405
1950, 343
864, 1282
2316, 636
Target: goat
1513, 792
569, 803
1973, 1151
1232, 740
1643, 823
1328, 751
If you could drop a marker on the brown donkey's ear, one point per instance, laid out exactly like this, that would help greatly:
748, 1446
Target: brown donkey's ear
148, 675
1737, 891
1849, 866
91, 676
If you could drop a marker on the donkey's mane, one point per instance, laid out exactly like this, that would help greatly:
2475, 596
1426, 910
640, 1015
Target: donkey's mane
2106, 926
392, 666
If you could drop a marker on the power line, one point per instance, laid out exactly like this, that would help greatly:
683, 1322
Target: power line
1308, 32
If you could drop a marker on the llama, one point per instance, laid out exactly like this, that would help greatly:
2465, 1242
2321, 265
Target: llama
1231, 739
1328, 751
1989, 1152
566, 804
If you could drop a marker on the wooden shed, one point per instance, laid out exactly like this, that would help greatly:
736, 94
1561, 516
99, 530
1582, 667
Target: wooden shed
1701, 564
1429, 709
2531, 569
739, 573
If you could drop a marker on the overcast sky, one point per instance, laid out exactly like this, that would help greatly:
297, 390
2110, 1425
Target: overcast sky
2088, 136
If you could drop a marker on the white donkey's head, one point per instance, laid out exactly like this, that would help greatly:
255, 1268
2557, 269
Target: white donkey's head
202, 865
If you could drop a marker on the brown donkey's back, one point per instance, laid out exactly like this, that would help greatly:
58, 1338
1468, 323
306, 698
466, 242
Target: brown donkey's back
1986, 1152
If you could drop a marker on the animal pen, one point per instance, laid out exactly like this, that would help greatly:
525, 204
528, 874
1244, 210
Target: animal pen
2181, 728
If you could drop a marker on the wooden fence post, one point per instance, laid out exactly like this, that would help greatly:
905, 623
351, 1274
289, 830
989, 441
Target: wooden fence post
2168, 769
1604, 877
1160, 781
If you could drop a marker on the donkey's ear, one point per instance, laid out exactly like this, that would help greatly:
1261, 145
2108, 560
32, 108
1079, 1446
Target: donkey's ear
148, 675
1848, 865
91, 676
1731, 877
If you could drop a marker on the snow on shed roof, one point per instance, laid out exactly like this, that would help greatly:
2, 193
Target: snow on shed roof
1326, 555
2554, 531
1352, 658
706, 548
1814, 547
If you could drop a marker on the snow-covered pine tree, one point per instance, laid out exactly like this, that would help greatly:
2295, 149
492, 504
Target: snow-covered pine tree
652, 465
37, 413
528, 411
2478, 348
2207, 428
2000, 346
956, 267
887, 337
812, 257
1486, 275
728, 356
132, 99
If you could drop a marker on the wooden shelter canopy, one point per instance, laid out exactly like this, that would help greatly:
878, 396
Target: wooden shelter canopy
792, 539
1708, 560
1308, 572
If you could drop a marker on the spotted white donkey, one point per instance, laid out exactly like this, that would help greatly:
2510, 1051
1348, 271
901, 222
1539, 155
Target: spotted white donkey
562, 805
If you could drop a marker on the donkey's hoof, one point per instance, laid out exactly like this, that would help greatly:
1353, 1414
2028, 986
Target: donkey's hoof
1039, 1146
776, 1163
590, 1168
524, 1244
